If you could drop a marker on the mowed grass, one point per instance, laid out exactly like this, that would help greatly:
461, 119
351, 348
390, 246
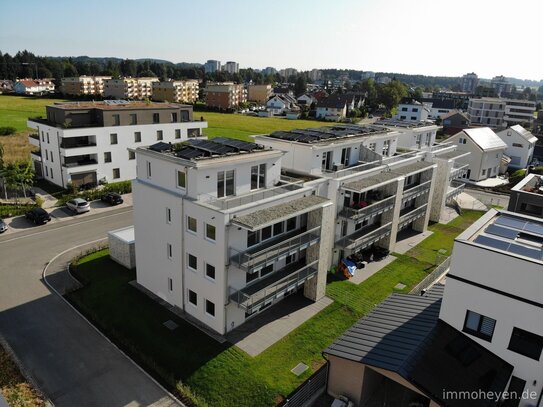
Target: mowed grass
221, 374
15, 110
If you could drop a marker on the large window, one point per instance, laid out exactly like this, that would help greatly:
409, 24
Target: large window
210, 308
225, 183
193, 298
210, 271
192, 224
478, 325
113, 138
211, 232
258, 176
326, 160
526, 343
181, 179
192, 261
137, 137
346, 156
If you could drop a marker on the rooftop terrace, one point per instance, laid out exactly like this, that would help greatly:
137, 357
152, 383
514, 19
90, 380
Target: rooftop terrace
327, 133
402, 123
116, 105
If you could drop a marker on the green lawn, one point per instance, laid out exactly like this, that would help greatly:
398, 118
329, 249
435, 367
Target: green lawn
221, 374
15, 110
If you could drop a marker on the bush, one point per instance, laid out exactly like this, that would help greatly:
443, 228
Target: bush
7, 211
7, 130
121, 187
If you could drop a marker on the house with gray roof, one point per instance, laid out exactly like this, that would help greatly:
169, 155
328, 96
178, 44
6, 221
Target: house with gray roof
520, 145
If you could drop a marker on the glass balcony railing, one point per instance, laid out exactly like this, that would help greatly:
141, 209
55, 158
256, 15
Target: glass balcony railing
274, 287
376, 207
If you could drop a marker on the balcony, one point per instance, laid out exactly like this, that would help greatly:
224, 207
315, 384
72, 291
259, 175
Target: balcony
416, 190
263, 255
458, 170
36, 155
455, 189
79, 161
34, 140
274, 287
364, 237
372, 209
76, 146
411, 214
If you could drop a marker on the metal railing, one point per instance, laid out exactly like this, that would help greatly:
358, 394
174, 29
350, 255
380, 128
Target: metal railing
365, 166
412, 215
251, 259
416, 190
80, 163
457, 189
68, 146
379, 206
252, 296
308, 390
401, 157
441, 146
432, 277
235, 201
458, 170
362, 238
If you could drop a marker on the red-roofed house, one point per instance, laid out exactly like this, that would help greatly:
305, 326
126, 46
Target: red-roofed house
34, 86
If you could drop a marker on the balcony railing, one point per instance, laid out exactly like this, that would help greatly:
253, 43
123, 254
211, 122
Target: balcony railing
80, 163
274, 287
458, 170
441, 146
376, 207
250, 260
412, 215
364, 237
416, 190
455, 189
78, 145
400, 157
235, 201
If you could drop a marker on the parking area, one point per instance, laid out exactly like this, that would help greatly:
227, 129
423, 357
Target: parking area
60, 214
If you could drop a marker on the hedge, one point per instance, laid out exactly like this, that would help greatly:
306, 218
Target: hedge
8, 130
121, 187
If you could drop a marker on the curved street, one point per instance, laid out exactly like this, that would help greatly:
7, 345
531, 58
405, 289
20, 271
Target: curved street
69, 360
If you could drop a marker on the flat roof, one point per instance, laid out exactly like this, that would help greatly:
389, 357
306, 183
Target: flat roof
371, 181
116, 105
413, 167
452, 154
402, 123
509, 233
199, 149
273, 214
327, 133
126, 234
532, 183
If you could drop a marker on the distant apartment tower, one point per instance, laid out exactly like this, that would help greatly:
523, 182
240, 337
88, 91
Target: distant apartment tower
501, 85
259, 93
176, 91
90, 142
212, 66
129, 88
314, 75
486, 112
287, 72
269, 71
469, 82
226, 95
231, 67
83, 85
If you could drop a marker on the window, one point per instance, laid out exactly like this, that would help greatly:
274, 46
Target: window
372, 146
170, 284
413, 117
48, 138
46, 155
514, 392
266, 233
137, 137
51, 157
52, 173
168, 215
478, 325
291, 258
461, 140
116, 173
210, 271
291, 224
43, 136
484, 172
415, 109
210, 308
193, 262
225, 183
191, 133
192, 224
517, 145
131, 155
404, 109
326, 160
253, 237
148, 169
402, 117
169, 251
174, 117
46, 171
193, 298
386, 147
345, 156
113, 138
266, 270
156, 118
250, 277
107, 157
116, 120
258, 176
159, 135
177, 133
211, 232
278, 228
133, 119
526, 343
181, 179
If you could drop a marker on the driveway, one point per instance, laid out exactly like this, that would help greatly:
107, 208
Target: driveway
70, 361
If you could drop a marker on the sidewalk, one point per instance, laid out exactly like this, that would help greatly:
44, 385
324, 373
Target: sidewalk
466, 201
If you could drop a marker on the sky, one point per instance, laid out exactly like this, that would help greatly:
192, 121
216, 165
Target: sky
428, 37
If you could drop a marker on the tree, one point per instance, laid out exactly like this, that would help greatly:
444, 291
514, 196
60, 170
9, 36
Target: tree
391, 94
18, 175
300, 86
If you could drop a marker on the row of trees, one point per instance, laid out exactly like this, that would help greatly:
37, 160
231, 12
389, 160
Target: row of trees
17, 175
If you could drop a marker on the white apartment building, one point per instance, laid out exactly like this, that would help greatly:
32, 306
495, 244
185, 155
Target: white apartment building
518, 112
486, 112
520, 145
221, 236
176, 91
469, 82
129, 88
83, 85
231, 67
412, 110
212, 66
486, 152
415, 135
493, 294
91, 142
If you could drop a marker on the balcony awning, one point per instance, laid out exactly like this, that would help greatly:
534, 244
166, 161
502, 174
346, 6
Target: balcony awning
370, 182
265, 217
413, 168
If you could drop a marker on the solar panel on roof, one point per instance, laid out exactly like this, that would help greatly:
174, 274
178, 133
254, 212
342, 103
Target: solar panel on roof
160, 147
209, 146
189, 153
533, 227
501, 231
491, 242
238, 144
511, 222
525, 251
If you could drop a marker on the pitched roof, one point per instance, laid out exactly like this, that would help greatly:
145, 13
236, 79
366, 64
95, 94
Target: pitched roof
524, 133
485, 138
336, 101
404, 334
454, 112
29, 83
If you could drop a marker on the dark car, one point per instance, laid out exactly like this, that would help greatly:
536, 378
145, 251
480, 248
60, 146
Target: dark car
38, 216
112, 198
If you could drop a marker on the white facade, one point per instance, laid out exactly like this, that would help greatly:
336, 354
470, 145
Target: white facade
129, 88
212, 66
231, 67
504, 288
520, 145
413, 112
518, 111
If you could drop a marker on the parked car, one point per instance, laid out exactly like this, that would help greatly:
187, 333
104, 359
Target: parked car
78, 205
112, 198
3, 226
38, 216
87, 186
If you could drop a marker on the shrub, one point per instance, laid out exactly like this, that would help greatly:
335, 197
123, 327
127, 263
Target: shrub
7, 211
7, 130
39, 201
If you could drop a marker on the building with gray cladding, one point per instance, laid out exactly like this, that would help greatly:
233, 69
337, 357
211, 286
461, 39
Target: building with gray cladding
527, 196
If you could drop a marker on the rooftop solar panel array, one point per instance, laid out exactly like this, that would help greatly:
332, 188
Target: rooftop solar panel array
220, 146
320, 134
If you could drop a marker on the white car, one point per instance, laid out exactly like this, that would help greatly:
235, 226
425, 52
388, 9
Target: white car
78, 205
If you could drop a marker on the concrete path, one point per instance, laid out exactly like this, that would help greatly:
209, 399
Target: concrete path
49, 201
466, 201
370, 269
488, 183
403, 246
69, 360
447, 214
265, 329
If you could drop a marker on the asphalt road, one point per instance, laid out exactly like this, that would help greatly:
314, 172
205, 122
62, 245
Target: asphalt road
71, 363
